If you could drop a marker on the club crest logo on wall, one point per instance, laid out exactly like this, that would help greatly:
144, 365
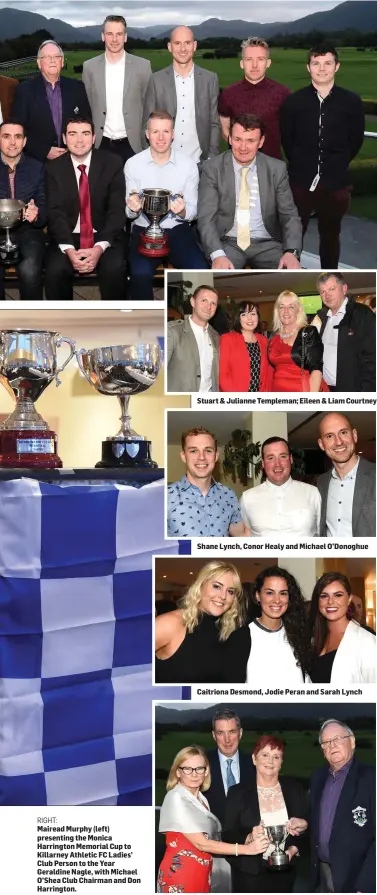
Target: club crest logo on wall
359, 816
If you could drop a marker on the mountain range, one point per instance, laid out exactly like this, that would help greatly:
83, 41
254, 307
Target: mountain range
166, 714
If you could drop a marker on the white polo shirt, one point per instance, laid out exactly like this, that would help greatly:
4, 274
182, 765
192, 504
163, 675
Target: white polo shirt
293, 509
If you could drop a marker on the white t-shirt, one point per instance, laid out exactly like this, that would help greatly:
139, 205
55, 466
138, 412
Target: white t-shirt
292, 509
271, 661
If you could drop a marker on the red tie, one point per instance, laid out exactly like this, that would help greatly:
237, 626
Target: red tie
86, 226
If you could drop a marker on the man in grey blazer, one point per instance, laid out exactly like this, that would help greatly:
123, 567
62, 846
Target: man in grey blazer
116, 84
246, 212
190, 94
348, 491
193, 346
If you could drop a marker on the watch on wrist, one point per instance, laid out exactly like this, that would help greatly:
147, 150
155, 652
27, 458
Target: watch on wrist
294, 252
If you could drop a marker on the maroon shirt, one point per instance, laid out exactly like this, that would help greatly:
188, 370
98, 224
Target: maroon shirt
265, 100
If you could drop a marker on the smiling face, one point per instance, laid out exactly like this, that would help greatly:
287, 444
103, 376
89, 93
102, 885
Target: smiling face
79, 139
334, 601
204, 306
339, 752
12, 141
195, 779
227, 737
322, 70
200, 456
50, 62
268, 762
245, 143
273, 598
277, 462
333, 294
249, 319
114, 36
337, 439
182, 45
217, 596
288, 310
254, 63
160, 133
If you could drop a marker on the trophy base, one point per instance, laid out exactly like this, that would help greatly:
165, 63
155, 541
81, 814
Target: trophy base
129, 454
278, 862
28, 449
153, 248
9, 256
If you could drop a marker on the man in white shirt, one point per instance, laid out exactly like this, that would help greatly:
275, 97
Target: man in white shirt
228, 764
280, 506
193, 346
116, 83
190, 94
162, 167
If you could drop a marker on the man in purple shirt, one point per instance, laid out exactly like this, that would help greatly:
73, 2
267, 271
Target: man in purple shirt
342, 816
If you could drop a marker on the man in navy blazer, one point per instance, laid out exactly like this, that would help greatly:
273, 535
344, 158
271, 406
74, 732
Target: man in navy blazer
342, 816
45, 103
227, 733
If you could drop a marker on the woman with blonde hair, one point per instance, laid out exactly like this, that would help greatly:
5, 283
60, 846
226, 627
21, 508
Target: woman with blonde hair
295, 350
207, 639
193, 832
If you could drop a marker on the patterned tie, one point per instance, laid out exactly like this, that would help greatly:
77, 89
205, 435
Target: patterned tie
86, 226
230, 778
243, 211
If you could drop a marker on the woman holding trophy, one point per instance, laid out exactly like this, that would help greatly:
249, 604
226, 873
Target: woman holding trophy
273, 807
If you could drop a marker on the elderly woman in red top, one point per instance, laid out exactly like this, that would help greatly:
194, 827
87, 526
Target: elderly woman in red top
243, 354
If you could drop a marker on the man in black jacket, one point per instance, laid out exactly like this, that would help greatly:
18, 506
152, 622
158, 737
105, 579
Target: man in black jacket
227, 763
319, 156
348, 333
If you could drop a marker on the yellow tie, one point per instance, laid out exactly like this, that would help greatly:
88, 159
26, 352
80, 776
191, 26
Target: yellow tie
243, 211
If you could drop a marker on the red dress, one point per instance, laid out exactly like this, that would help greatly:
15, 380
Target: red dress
287, 376
184, 868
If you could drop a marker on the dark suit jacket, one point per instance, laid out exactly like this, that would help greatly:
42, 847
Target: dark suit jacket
356, 351
107, 192
217, 202
183, 362
31, 108
29, 183
7, 88
352, 847
216, 793
161, 94
364, 500
242, 814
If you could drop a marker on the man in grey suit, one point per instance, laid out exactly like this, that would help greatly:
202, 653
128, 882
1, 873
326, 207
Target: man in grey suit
348, 491
193, 346
246, 212
190, 94
115, 84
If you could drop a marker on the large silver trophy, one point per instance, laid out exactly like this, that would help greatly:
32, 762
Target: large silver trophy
154, 242
28, 364
277, 859
11, 213
123, 370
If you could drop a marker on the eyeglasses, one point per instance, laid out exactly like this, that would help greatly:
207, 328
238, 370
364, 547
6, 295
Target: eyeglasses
334, 742
188, 771
52, 58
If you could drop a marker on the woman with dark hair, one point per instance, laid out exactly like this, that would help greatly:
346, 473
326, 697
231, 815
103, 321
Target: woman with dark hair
344, 652
251, 810
279, 648
243, 354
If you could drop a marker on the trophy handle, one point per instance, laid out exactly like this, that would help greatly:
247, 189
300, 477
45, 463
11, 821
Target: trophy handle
59, 341
79, 355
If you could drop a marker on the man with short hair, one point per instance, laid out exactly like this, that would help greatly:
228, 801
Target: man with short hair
348, 332
246, 213
255, 94
342, 816
197, 505
86, 217
163, 167
348, 490
322, 130
116, 84
228, 764
45, 103
193, 346
280, 506
23, 177
190, 94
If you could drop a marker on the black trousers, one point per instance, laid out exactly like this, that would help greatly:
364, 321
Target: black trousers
31, 242
111, 272
119, 147
269, 881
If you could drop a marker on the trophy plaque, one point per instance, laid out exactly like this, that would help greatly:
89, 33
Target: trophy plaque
28, 364
277, 860
154, 242
11, 213
123, 370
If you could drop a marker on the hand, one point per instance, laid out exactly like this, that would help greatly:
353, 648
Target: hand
178, 206
55, 151
30, 212
296, 825
134, 202
289, 261
257, 846
291, 851
222, 263
89, 259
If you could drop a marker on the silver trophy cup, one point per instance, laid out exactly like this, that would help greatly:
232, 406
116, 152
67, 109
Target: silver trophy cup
122, 370
277, 859
11, 213
28, 363
153, 242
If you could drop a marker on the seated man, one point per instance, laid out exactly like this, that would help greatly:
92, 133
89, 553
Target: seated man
85, 215
246, 212
197, 505
22, 177
162, 167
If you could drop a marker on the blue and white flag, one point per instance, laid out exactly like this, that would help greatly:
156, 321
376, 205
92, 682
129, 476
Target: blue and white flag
76, 642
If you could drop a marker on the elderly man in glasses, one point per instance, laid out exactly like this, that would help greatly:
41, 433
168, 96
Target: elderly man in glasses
342, 816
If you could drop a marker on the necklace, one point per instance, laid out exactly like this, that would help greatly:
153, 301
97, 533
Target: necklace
288, 335
268, 790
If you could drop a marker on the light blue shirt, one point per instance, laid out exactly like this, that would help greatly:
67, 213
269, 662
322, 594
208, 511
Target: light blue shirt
193, 514
235, 766
179, 175
339, 504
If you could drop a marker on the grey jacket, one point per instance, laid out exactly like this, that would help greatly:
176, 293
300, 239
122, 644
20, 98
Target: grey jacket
217, 202
364, 500
161, 94
183, 363
136, 77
